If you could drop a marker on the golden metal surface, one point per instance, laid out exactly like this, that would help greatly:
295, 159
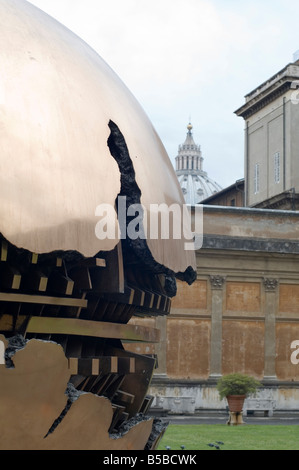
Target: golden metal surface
57, 97
106, 364
32, 397
41, 299
74, 326
3, 251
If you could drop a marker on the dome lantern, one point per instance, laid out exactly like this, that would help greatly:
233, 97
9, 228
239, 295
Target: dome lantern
194, 181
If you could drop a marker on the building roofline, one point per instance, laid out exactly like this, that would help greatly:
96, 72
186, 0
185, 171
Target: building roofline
223, 191
276, 75
269, 90
244, 210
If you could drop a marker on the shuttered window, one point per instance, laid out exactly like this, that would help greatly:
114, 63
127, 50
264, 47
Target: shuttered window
256, 181
276, 167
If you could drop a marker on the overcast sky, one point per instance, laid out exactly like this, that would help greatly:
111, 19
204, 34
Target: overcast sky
190, 59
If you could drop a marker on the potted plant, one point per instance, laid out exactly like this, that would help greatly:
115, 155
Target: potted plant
235, 388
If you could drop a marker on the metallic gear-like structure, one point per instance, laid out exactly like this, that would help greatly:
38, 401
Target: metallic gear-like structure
73, 138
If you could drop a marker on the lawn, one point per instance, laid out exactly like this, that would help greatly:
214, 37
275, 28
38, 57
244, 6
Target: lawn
243, 437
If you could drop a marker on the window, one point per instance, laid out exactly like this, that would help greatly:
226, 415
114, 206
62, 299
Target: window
233, 202
276, 167
256, 179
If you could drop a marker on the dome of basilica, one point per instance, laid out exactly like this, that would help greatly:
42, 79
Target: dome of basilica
195, 183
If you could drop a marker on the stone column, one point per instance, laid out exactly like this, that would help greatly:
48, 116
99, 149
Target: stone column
217, 283
270, 286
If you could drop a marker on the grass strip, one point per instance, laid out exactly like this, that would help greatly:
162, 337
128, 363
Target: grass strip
243, 437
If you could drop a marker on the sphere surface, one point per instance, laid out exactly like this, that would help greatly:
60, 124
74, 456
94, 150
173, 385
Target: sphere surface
57, 97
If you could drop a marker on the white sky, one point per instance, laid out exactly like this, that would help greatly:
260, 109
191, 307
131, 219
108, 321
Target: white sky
189, 58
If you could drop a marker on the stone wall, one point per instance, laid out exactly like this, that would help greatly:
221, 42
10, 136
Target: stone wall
240, 315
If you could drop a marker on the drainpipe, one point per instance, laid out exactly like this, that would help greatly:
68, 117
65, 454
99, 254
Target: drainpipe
284, 144
247, 163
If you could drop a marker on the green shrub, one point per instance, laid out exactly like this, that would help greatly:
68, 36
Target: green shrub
236, 384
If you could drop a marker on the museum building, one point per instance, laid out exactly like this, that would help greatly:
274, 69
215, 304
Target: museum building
241, 314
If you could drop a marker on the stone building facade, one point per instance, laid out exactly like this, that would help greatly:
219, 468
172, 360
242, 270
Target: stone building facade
240, 315
232, 196
271, 116
242, 312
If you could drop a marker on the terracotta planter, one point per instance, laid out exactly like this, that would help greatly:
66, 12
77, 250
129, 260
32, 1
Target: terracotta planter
235, 403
